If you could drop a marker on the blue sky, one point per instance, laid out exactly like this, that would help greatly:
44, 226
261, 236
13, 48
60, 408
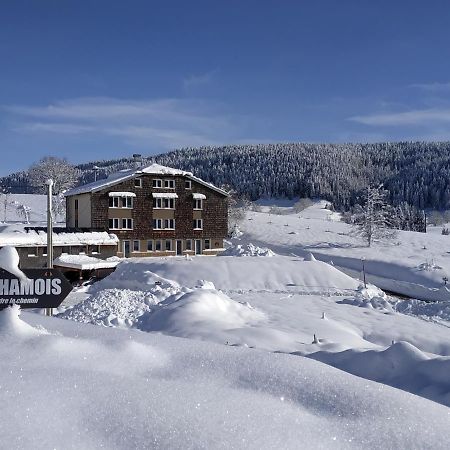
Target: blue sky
91, 80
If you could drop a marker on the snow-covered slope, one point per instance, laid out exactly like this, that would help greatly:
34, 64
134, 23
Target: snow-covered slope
12, 214
80, 386
413, 264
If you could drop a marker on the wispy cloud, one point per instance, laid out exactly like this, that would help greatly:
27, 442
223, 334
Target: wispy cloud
432, 87
412, 117
165, 123
199, 79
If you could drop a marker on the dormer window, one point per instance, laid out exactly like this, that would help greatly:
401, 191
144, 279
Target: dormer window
188, 184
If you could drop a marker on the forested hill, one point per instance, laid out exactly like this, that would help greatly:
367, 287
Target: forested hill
415, 172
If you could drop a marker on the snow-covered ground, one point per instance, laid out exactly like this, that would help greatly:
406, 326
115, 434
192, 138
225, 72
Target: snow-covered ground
412, 264
278, 304
262, 347
71, 385
12, 212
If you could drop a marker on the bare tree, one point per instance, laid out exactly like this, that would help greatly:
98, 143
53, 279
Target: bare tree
374, 220
63, 174
5, 202
24, 211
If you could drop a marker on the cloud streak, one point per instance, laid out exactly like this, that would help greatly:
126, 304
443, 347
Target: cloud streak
413, 117
166, 123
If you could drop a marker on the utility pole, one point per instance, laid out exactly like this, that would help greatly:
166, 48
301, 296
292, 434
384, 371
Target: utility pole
49, 183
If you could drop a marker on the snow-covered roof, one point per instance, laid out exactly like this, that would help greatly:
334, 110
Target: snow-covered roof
122, 194
39, 238
84, 262
198, 196
123, 175
164, 195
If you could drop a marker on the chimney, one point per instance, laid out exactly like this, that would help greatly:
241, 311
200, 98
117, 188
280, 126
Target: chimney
137, 158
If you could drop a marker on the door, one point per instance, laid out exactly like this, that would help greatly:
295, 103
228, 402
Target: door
126, 248
179, 248
198, 247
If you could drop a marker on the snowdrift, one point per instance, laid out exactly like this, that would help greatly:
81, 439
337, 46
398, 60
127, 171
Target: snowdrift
401, 365
229, 273
94, 387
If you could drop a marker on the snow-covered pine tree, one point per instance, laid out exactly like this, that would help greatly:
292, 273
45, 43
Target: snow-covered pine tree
375, 219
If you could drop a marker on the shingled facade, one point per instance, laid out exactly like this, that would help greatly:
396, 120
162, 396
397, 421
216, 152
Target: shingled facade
154, 211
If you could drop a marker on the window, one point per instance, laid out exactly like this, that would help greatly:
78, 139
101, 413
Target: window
168, 245
169, 224
66, 249
120, 202
157, 224
164, 203
44, 251
198, 203
120, 224
136, 246
113, 224
198, 224
127, 224
188, 184
188, 244
169, 184
207, 244
138, 182
157, 183
33, 251
94, 249
158, 246
150, 246
164, 224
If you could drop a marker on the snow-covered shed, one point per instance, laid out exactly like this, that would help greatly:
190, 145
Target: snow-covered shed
31, 244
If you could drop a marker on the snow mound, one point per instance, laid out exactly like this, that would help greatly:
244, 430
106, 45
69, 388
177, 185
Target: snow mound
401, 365
247, 250
112, 307
127, 277
279, 273
201, 314
11, 326
9, 261
370, 297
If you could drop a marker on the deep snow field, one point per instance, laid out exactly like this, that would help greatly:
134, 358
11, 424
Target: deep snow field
264, 348
413, 263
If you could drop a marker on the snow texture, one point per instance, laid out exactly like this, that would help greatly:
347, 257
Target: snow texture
89, 387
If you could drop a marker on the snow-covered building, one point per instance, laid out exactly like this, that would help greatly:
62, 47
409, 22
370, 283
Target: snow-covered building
154, 211
31, 245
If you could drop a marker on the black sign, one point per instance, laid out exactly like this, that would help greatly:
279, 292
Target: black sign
45, 288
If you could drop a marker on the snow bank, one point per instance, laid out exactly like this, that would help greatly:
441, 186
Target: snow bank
203, 313
230, 274
433, 311
401, 365
247, 250
112, 307
94, 387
